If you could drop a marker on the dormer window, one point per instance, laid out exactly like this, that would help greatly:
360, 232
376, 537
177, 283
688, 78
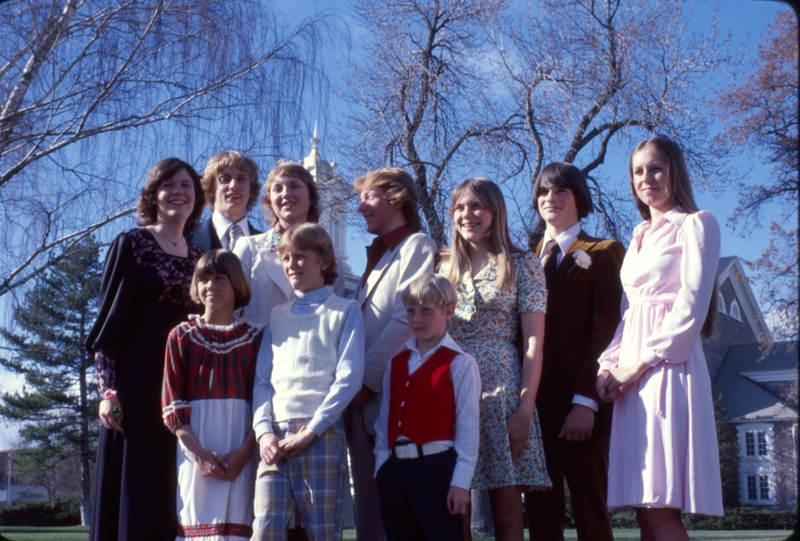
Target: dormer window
735, 311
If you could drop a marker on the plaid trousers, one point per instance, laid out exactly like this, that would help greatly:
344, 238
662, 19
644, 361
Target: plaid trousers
311, 483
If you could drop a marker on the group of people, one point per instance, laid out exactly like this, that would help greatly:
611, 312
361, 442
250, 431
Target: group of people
235, 376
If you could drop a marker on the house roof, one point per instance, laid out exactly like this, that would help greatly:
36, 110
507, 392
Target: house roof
730, 267
738, 381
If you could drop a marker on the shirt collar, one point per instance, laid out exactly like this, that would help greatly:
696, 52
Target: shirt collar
446, 342
394, 237
221, 224
312, 297
564, 239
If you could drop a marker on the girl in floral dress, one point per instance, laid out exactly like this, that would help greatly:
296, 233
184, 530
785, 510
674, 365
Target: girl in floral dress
207, 402
501, 288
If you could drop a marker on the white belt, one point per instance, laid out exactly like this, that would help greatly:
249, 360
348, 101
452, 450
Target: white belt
410, 449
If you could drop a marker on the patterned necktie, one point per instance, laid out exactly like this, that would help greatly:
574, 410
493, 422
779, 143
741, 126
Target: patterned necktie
550, 261
234, 233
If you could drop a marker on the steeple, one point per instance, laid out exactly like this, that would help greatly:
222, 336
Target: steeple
333, 192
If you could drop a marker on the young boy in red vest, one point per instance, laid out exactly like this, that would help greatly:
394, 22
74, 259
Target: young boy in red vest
426, 441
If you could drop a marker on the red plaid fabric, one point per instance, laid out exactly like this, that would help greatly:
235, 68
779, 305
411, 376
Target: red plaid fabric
207, 362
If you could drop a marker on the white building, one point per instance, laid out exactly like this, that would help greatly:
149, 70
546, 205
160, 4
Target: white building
333, 195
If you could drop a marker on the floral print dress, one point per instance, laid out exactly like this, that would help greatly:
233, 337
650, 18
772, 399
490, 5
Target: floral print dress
485, 324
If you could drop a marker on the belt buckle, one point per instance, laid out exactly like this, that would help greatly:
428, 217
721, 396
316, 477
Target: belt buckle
406, 451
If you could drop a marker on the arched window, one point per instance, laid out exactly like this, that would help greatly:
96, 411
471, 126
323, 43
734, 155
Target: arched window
721, 303
735, 311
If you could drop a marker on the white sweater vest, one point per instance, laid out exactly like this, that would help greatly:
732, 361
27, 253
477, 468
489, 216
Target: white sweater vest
305, 353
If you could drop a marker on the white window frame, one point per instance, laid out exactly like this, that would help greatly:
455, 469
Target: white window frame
756, 466
735, 311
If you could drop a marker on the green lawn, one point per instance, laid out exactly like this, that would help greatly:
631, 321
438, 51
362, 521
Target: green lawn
78, 533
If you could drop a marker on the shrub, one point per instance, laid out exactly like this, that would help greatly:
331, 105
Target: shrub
65, 512
737, 518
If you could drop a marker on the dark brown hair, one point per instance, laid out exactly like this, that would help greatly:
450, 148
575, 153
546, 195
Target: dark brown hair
226, 263
565, 175
147, 204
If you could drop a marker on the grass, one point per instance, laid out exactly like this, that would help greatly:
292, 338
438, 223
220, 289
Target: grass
81, 533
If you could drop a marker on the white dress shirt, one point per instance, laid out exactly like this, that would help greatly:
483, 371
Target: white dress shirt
467, 387
564, 241
222, 225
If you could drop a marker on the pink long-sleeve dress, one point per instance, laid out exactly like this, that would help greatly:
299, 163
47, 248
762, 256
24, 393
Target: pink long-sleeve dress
663, 437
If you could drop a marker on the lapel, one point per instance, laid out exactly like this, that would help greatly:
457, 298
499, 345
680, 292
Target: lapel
566, 274
253, 230
380, 269
215, 243
271, 263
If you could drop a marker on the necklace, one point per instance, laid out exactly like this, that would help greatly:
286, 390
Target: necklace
174, 244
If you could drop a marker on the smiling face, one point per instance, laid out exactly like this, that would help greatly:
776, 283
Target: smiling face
557, 207
175, 197
290, 201
651, 180
217, 295
380, 215
473, 221
232, 193
303, 269
428, 322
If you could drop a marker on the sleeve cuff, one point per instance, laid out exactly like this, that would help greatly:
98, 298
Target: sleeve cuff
261, 428
380, 458
586, 401
649, 356
319, 426
462, 475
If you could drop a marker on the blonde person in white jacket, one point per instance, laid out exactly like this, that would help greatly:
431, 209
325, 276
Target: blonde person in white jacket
399, 254
290, 197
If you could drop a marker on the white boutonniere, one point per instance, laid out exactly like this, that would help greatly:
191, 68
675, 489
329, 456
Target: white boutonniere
582, 260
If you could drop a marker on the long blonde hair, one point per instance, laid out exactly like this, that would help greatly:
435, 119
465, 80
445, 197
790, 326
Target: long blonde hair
501, 249
681, 197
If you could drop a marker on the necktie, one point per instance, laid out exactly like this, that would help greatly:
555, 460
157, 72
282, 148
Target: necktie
550, 261
234, 233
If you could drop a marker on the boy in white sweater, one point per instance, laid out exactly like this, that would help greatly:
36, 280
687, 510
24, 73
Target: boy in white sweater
309, 367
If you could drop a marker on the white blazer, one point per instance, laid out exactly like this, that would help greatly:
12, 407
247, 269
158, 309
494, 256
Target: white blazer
269, 284
385, 323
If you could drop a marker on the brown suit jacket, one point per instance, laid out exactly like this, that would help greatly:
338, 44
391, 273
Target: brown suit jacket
583, 310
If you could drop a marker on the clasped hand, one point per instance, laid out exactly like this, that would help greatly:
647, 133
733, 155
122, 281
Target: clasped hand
272, 449
609, 381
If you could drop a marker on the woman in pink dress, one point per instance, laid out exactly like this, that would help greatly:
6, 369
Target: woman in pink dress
663, 457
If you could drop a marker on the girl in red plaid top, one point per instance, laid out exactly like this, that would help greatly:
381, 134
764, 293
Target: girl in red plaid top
207, 402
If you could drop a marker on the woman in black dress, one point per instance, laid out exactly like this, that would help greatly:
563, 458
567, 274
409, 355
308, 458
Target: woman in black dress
143, 295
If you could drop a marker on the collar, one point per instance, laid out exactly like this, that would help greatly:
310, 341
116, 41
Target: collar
312, 297
675, 216
564, 239
221, 224
393, 238
446, 342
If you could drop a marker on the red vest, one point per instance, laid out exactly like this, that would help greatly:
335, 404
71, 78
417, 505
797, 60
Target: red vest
422, 406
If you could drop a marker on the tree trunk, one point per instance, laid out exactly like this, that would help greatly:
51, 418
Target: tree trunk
481, 520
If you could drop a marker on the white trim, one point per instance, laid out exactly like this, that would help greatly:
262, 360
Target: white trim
721, 303
744, 293
766, 376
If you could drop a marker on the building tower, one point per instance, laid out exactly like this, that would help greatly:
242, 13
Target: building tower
333, 193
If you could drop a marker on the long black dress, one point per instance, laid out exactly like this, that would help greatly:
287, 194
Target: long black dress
143, 295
